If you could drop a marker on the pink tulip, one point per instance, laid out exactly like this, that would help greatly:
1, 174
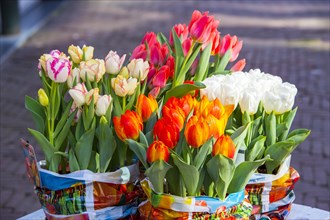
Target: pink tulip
182, 32
239, 66
201, 26
186, 45
154, 92
150, 38
215, 40
228, 42
171, 64
140, 52
58, 69
160, 78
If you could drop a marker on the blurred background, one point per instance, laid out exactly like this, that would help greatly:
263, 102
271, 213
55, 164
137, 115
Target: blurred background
286, 38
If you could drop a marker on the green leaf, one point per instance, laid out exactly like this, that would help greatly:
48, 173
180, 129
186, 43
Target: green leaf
256, 125
254, 148
64, 132
132, 99
203, 63
117, 110
92, 166
221, 170
183, 89
106, 145
73, 163
280, 128
149, 137
63, 119
243, 173
54, 163
88, 115
156, 174
83, 148
224, 61
37, 111
208, 185
288, 119
140, 151
270, 123
179, 55
143, 140
238, 138
299, 135
44, 144
151, 122
278, 152
79, 129
189, 174
202, 154
174, 182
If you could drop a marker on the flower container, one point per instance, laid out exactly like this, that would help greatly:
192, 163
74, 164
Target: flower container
272, 195
166, 206
84, 194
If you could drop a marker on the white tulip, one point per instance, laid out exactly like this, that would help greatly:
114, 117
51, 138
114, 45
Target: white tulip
138, 69
102, 105
250, 100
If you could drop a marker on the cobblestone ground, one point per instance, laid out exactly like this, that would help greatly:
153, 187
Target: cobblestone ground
290, 39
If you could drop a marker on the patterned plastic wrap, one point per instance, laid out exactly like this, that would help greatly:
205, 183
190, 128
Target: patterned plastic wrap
84, 194
165, 206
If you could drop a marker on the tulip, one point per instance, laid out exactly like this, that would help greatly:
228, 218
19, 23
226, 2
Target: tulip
186, 45
78, 114
124, 72
170, 62
76, 54
113, 62
225, 146
145, 106
232, 43
157, 54
250, 100
92, 69
42, 62
140, 52
128, 125
215, 125
215, 40
88, 52
119, 84
161, 76
157, 151
182, 32
73, 78
92, 94
131, 85
201, 26
78, 94
150, 38
58, 69
138, 69
154, 92
167, 132
197, 131
43, 98
102, 105
239, 66
176, 115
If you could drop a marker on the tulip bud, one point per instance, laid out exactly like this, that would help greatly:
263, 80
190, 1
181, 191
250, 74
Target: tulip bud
73, 78
225, 146
42, 62
167, 132
239, 66
157, 151
197, 132
113, 62
145, 106
43, 98
76, 54
102, 105
93, 69
249, 100
58, 69
124, 72
88, 52
78, 94
128, 125
93, 93
138, 69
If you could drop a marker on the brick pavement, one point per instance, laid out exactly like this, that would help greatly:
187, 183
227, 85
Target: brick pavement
290, 39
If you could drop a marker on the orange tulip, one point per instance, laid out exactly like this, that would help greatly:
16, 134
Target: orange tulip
145, 106
197, 131
157, 151
176, 115
225, 146
167, 132
128, 125
215, 125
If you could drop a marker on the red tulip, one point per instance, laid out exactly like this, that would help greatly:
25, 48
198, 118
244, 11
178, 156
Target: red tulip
140, 52
167, 132
128, 125
150, 38
175, 115
157, 151
161, 77
228, 42
145, 106
225, 146
186, 45
171, 64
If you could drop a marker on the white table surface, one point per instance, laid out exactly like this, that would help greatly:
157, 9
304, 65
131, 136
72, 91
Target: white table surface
298, 212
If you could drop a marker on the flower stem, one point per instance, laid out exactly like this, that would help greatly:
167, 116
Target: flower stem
124, 103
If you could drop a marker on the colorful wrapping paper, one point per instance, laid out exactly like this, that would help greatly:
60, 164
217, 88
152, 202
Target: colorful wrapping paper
165, 206
272, 195
84, 194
